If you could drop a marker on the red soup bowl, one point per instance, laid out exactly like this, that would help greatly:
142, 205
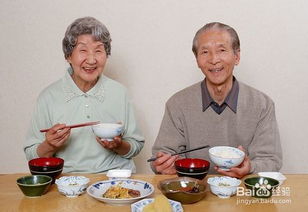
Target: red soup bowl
46, 166
192, 167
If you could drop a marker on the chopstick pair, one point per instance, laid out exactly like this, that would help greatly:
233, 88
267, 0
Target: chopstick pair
185, 151
76, 125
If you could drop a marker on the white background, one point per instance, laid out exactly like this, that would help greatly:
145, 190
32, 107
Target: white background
152, 57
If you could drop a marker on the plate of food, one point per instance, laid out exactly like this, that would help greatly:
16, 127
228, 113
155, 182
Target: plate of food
159, 203
120, 191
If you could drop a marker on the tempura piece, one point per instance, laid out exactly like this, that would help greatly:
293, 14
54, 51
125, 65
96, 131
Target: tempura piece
160, 204
149, 208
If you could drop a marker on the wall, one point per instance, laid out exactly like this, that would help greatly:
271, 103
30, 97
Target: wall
151, 56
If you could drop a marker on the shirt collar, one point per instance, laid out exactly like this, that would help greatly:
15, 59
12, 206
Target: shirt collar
231, 99
71, 90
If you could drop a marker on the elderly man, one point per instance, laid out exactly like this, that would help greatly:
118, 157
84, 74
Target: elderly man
219, 110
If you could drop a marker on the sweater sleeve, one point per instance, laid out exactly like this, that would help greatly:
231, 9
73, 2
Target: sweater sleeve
265, 149
171, 137
34, 137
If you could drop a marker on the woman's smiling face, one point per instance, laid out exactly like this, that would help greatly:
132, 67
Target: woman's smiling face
88, 60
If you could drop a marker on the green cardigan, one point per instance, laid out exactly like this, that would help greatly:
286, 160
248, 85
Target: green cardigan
64, 102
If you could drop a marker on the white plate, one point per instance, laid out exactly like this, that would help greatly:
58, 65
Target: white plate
119, 173
275, 175
97, 190
138, 206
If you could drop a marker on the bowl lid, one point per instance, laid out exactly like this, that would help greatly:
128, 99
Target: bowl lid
192, 163
119, 173
54, 161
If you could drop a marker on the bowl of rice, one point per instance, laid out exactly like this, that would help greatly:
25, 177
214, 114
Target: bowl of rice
226, 157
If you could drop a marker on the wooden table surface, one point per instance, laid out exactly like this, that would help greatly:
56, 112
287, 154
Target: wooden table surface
294, 198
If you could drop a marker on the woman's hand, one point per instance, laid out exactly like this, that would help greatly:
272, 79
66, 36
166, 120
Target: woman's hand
54, 139
164, 164
240, 171
117, 145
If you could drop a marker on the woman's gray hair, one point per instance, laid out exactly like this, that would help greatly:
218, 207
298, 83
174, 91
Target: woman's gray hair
220, 26
81, 26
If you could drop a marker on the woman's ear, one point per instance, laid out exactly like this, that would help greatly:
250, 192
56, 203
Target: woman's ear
68, 59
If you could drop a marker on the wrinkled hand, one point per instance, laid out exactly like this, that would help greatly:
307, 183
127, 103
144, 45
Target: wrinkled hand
164, 164
111, 145
240, 171
57, 135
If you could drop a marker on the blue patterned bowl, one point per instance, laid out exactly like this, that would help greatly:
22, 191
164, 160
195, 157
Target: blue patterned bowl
226, 157
72, 186
223, 187
107, 131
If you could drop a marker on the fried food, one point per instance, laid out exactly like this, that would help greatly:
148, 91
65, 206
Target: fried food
160, 204
149, 208
119, 192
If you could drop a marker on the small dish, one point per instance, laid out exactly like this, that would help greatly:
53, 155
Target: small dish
261, 187
72, 186
119, 173
34, 185
275, 175
223, 187
138, 206
185, 190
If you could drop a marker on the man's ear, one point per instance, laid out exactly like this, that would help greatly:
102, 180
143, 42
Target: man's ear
237, 56
196, 57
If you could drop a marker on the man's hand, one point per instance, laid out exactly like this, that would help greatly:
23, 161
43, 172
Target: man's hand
164, 164
240, 171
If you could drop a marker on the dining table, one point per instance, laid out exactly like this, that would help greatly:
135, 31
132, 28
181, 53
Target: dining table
292, 196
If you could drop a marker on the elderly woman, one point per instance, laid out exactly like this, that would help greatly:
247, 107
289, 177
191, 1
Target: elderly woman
84, 94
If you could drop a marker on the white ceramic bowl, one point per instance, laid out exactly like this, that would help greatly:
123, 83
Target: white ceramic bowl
97, 190
223, 187
119, 173
226, 157
72, 186
107, 131
138, 206
275, 175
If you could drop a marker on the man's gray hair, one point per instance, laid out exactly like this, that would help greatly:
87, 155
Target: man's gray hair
82, 26
220, 26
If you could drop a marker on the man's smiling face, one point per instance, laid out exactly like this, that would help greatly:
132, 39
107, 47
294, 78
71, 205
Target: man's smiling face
216, 57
